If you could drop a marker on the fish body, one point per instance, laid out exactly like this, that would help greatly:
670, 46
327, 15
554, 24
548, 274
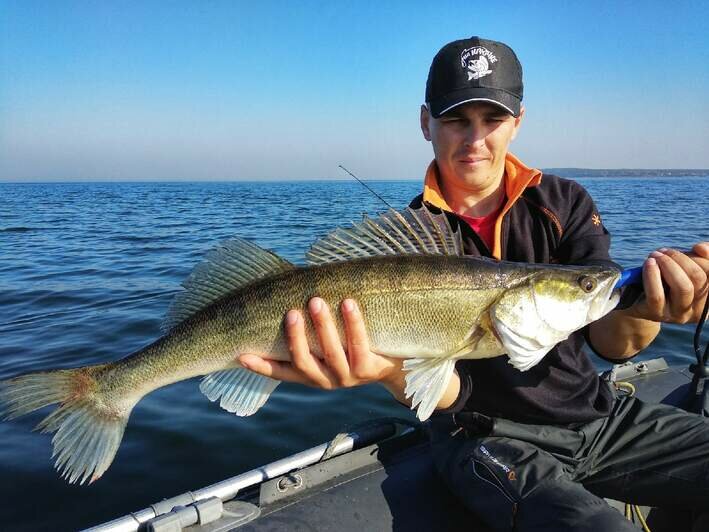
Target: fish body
414, 306
429, 308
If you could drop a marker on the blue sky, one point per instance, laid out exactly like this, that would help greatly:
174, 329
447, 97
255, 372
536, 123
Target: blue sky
289, 90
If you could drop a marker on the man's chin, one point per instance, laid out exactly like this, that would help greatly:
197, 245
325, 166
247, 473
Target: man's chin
479, 175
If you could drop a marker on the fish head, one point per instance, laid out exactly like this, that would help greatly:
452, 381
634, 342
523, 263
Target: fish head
569, 298
549, 305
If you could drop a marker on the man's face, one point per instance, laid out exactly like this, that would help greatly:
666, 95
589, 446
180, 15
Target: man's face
470, 143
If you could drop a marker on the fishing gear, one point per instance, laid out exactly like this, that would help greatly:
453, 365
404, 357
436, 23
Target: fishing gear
365, 185
700, 370
631, 283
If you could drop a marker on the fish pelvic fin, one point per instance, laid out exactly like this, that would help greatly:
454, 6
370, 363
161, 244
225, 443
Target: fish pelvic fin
426, 381
228, 267
406, 232
239, 391
87, 431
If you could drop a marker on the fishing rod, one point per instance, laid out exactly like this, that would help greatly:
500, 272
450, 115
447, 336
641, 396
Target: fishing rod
700, 370
365, 185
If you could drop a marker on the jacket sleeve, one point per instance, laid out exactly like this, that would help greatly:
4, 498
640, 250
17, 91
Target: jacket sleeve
584, 240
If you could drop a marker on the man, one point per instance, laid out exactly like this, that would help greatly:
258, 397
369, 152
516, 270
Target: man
534, 450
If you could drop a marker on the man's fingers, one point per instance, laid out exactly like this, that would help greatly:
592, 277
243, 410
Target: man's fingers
681, 289
701, 249
357, 338
652, 285
700, 256
332, 351
313, 372
282, 371
692, 269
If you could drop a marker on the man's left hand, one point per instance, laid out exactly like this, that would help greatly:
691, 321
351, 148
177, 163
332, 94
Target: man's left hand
675, 285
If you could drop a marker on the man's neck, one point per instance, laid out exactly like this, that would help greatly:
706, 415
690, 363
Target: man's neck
475, 203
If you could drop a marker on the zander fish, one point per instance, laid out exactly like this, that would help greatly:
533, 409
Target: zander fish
421, 299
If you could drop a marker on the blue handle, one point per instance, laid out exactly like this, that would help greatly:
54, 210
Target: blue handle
630, 276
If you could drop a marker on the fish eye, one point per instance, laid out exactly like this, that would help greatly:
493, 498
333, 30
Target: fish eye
587, 284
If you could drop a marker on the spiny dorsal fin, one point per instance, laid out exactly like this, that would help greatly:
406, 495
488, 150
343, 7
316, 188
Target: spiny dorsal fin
407, 232
231, 265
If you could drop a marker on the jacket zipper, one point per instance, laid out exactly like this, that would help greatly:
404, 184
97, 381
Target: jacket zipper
503, 235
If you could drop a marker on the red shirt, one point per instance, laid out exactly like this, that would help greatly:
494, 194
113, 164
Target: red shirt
484, 226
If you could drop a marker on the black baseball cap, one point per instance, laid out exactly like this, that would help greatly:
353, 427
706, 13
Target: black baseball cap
474, 70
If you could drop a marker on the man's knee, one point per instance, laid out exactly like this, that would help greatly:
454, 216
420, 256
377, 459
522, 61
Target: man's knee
513, 485
564, 505
492, 476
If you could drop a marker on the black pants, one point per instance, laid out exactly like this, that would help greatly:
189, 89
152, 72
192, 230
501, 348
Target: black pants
537, 477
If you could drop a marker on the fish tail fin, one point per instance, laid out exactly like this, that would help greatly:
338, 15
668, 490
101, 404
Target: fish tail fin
88, 429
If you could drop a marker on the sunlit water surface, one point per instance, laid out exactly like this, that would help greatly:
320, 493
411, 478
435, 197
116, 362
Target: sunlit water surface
87, 271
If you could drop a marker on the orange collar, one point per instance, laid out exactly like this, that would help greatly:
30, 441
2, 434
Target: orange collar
517, 176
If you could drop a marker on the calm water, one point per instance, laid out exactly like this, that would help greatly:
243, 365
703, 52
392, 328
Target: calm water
87, 270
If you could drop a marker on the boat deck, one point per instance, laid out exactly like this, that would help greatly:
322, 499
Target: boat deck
388, 485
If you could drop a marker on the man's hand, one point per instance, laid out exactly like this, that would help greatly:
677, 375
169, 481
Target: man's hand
339, 367
675, 285
622, 333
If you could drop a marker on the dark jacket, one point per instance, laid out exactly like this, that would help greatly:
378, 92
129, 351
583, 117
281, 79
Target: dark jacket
547, 219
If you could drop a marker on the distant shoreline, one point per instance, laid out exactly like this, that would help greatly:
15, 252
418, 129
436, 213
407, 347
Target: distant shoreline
627, 172
563, 172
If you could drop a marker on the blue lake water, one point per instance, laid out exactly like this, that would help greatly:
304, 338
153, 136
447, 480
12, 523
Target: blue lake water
87, 271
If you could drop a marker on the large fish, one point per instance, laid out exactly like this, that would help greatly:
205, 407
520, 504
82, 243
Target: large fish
421, 300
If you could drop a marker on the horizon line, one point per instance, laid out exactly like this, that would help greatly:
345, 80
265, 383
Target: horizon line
693, 172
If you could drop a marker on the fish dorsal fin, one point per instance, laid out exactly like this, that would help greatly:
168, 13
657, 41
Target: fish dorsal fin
407, 232
229, 266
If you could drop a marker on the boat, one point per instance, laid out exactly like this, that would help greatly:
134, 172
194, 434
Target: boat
378, 477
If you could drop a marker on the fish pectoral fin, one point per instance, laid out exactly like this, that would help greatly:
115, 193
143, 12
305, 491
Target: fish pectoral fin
241, 392
524, 353
525, 359
426, 381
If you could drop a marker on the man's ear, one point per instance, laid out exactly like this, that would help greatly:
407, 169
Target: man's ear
518, 122
425, 123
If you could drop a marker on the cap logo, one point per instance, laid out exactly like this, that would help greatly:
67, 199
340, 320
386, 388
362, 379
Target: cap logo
477, 60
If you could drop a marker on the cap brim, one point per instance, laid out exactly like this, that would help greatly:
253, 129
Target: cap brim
503, 99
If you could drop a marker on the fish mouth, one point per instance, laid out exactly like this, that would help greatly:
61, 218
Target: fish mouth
613, 300
615, 295
602, 306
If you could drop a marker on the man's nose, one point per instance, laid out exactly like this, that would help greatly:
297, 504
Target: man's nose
474, 135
